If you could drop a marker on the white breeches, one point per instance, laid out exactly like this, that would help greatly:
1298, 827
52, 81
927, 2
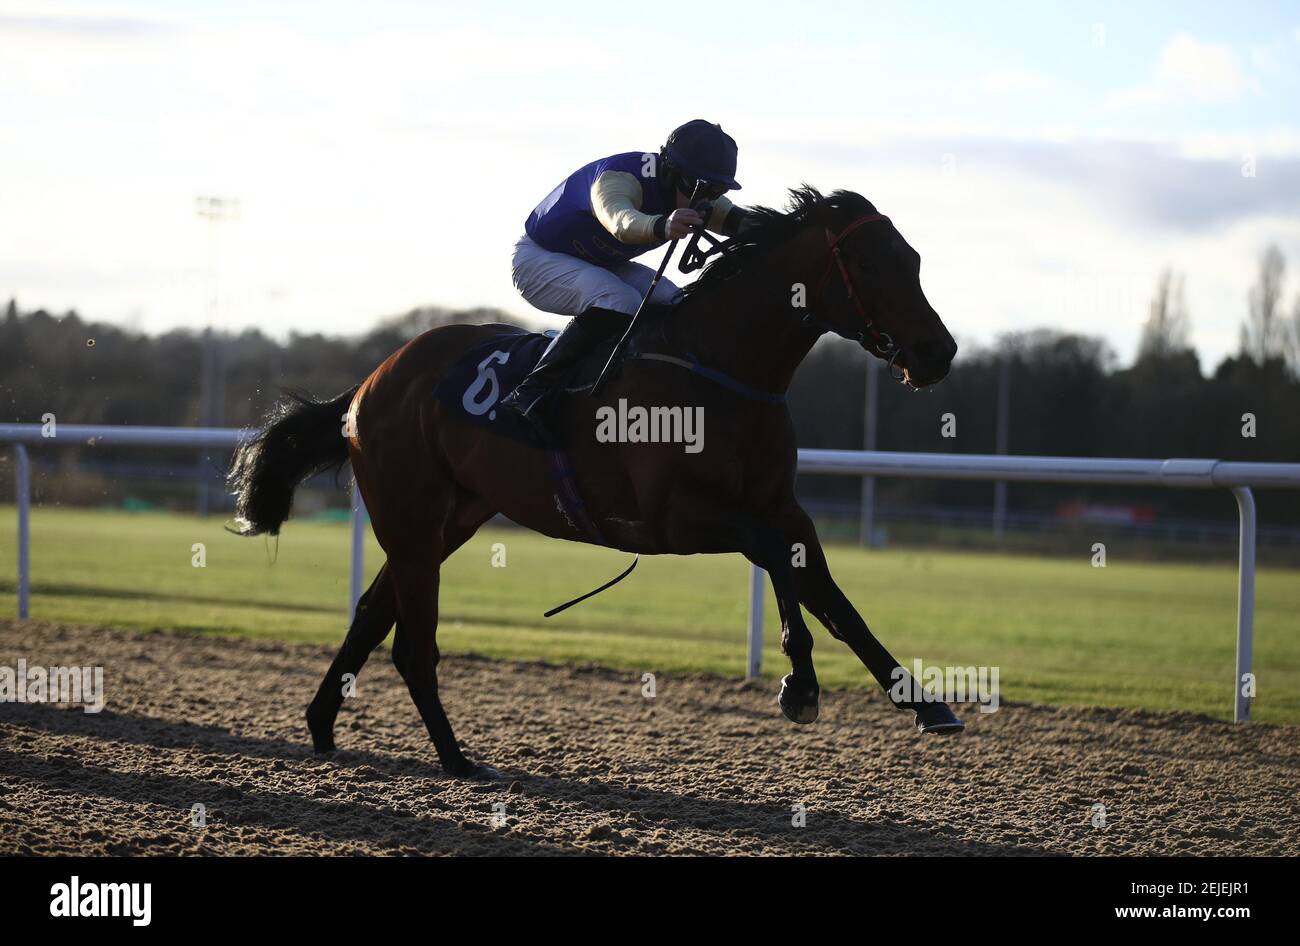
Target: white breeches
566, 285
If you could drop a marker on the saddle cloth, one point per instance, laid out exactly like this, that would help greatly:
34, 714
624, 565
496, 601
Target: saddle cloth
490, 370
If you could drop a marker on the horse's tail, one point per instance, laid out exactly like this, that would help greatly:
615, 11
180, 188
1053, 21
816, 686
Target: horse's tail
301, 437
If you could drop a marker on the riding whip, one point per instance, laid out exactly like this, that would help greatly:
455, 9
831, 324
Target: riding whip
622, 342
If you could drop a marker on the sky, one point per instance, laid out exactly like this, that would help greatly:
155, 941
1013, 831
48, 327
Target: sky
1047, 160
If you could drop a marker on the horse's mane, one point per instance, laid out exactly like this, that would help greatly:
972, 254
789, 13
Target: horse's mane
771, 227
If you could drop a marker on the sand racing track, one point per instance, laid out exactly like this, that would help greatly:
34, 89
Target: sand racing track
709, 766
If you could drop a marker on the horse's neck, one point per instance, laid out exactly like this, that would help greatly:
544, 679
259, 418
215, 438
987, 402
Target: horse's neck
748, 328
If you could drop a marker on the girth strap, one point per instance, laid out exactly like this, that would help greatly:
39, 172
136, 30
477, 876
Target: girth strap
692, 364
570, 499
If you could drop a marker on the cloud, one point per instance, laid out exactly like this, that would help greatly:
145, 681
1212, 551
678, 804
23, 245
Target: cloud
797, 53
37, 26
347, 150
1012, 81
1147, 184
44, 52
1190, 71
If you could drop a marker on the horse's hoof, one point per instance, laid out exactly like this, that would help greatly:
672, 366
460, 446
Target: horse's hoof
322, 735
935, 719
475, 772
798, 700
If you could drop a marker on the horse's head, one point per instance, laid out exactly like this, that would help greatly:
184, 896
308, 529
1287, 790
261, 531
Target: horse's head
869, 289
860, 278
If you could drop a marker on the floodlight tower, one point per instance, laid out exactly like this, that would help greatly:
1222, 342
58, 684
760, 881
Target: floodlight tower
216, 210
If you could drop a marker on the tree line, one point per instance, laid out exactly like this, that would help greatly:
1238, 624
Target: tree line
1067, 395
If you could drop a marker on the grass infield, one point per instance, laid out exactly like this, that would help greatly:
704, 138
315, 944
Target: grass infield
1135, 633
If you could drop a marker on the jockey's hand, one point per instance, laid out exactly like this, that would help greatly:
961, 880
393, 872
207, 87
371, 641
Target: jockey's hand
681, 222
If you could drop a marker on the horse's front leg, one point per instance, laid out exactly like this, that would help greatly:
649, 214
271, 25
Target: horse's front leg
819, 593
800, 694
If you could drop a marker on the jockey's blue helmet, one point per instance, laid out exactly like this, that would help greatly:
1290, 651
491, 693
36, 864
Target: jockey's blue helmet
701, 150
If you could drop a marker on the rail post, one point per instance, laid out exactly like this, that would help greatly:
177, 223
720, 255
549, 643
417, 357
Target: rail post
1245, 601
358, 567
23, 499
754, 668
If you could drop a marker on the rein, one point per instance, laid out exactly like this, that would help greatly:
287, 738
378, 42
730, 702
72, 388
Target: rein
881, 342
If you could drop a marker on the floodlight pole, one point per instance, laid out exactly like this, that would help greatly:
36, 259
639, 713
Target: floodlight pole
212, 372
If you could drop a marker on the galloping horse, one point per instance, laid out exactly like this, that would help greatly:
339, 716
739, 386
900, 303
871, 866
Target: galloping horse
430, 477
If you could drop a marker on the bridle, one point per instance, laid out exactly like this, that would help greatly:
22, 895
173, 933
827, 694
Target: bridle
881, 341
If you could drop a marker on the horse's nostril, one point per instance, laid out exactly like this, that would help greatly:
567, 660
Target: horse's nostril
935, 351
928, 351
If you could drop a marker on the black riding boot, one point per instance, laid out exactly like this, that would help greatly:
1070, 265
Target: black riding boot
587, 329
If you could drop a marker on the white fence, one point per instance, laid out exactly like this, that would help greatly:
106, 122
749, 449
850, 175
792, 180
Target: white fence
120, 436
1203, 474
1237, 477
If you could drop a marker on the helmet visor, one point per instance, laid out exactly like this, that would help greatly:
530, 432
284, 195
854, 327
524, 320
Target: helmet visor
701, 190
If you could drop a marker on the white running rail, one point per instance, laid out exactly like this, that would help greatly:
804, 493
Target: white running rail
222, 438
1205, 474
1237, 477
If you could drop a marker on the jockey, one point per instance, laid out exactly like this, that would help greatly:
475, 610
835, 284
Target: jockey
575, 257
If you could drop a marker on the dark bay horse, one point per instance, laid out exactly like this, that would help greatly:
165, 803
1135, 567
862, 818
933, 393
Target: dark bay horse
430, 479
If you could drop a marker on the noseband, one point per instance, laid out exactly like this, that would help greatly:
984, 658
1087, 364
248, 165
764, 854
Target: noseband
881, 341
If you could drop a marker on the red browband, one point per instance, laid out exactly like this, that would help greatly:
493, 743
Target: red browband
884, 343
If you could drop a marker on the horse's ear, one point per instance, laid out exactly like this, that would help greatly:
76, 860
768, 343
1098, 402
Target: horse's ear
850, 200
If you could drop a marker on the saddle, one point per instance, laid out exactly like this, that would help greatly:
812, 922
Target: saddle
490, 370
494, 367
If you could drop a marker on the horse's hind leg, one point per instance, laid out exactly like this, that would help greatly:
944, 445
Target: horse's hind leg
415, 653
376, 612
374, 618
